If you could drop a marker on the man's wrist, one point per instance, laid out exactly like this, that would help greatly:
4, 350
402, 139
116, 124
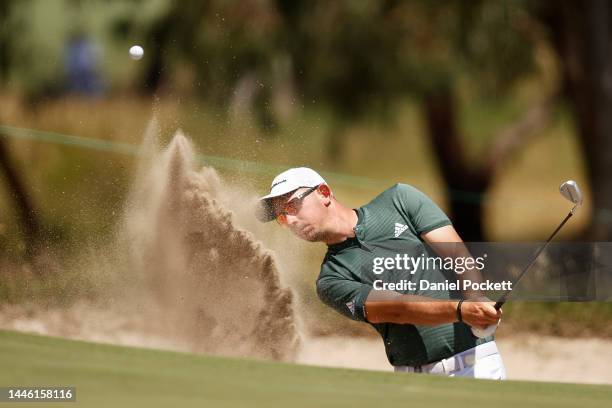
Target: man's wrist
458, 315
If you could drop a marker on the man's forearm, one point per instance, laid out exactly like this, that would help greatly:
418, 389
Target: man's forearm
410, 309
392, 307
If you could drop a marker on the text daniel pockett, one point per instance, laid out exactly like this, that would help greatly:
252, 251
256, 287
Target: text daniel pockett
459, 265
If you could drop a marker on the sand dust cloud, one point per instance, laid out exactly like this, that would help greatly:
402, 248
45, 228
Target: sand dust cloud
184, 276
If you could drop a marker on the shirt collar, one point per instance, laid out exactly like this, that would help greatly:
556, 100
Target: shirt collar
353, 241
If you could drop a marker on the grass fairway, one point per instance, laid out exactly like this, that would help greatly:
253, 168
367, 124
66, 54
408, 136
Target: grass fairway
106, 375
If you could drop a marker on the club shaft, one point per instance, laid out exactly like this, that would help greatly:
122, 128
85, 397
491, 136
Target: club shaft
504, 297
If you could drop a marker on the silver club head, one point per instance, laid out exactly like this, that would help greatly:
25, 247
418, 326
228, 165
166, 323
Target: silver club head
570, 190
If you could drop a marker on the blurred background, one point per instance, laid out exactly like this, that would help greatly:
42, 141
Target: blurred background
487, 106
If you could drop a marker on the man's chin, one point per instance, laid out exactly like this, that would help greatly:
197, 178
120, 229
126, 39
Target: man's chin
309, 235
310, 238
306, 237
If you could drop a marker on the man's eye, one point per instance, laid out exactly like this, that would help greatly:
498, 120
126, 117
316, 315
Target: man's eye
291, 207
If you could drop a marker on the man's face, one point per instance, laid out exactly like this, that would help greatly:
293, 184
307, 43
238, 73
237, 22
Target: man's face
308, 222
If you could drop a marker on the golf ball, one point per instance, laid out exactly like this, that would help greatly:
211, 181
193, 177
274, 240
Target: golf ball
136, 52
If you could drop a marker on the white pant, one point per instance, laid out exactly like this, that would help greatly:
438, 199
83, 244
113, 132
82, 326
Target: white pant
483, 361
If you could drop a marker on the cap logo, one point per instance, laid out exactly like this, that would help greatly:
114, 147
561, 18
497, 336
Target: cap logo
277, 183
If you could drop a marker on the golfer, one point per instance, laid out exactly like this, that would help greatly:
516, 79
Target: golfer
423, 332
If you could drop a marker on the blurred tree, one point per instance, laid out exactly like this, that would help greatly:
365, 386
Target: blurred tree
358, 59
22, 202
4, 43
490, 45
581, 32
226, 42
9, 30
348, 56
30, 225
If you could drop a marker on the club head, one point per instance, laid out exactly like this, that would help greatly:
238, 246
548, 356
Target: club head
570, 190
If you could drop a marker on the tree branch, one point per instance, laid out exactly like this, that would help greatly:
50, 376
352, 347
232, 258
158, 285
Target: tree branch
516, 135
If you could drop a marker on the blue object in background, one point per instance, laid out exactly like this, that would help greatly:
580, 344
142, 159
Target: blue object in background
81, 63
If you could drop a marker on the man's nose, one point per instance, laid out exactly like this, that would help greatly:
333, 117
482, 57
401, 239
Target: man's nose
291, 220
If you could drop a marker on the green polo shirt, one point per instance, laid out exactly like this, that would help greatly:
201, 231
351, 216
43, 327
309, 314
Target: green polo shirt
392, 224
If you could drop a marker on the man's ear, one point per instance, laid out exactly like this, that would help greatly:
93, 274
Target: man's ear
325, 191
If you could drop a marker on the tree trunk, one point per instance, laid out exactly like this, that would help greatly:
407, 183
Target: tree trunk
465, 185
24, 207
581, 34
5, 35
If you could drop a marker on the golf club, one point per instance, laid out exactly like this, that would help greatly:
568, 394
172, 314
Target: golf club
570, 190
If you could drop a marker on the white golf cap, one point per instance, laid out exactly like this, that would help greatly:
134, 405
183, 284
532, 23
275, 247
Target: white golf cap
284, 183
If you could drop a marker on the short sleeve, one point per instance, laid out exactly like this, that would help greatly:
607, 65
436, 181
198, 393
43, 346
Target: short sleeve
344, 295
420, 210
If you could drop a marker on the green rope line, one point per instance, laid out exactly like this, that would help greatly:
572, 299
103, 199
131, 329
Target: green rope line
214, 161
68, 140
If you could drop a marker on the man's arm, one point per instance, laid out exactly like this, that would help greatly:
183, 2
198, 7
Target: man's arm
447, 243
359, 301
391, 307
442, 234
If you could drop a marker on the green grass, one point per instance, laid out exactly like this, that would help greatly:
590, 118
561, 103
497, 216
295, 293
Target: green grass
106, 375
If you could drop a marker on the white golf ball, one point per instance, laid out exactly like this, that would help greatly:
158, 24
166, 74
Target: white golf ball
136, 52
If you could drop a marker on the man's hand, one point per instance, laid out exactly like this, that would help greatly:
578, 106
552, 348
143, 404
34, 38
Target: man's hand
480, 314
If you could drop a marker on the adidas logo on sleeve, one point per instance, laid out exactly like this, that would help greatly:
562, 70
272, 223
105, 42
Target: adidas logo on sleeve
351, 307
399, 228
